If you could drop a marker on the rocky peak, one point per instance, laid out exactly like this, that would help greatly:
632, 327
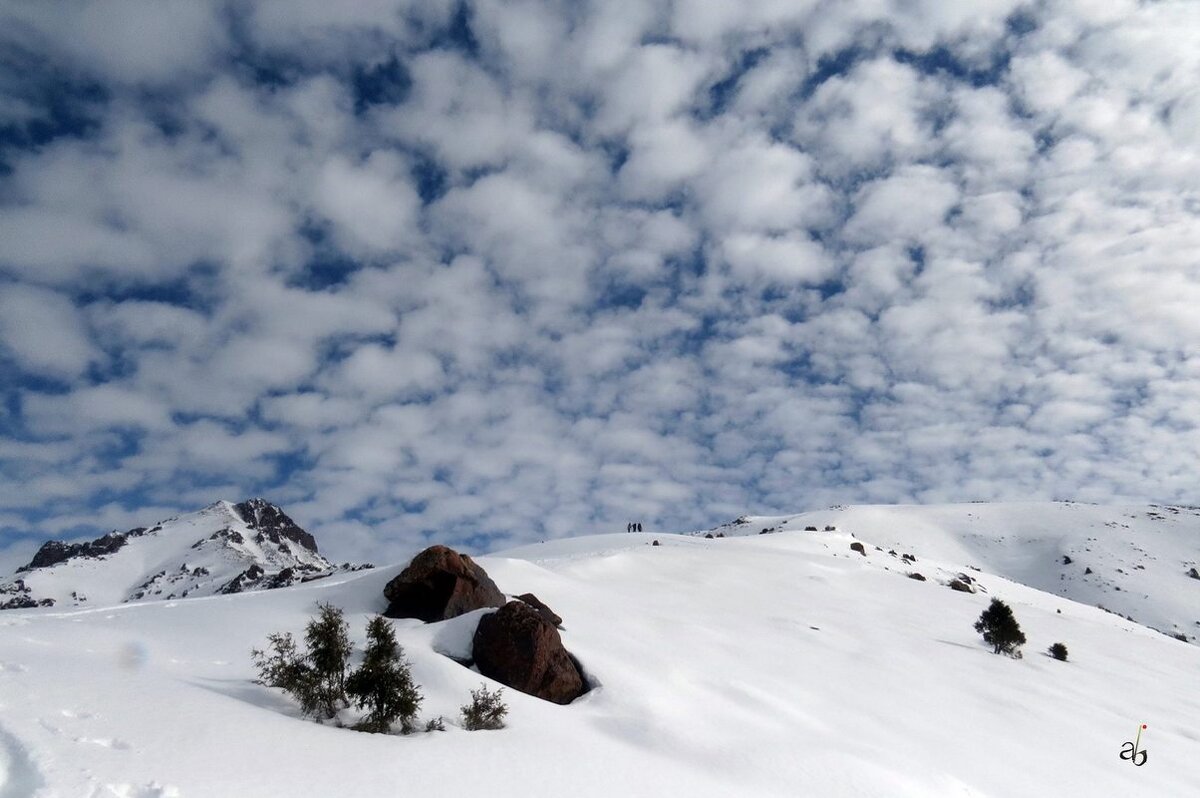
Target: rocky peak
223, 548
273, 524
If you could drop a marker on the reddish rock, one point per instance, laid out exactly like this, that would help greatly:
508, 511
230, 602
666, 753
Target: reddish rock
544, 611
517, 647
438, 584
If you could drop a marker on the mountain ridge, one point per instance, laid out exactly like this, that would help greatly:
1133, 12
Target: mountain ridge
1134, 560
225, 547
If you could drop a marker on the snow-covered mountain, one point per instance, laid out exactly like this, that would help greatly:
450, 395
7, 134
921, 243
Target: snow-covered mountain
1139, 561
224, 548
766, 665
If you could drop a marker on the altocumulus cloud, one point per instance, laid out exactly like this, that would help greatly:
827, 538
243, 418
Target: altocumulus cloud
493, 272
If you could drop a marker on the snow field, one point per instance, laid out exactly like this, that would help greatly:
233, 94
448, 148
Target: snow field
712, 681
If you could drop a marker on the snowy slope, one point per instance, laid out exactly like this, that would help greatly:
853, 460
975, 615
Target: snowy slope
1139, 556
223, 548
773, 665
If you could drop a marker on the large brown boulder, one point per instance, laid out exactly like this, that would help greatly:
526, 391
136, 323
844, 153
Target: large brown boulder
438, 584
539, 605
516, 646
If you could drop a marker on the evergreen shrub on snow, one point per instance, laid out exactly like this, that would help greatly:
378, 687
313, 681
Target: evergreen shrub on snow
383, 684
1000, 629
486, 710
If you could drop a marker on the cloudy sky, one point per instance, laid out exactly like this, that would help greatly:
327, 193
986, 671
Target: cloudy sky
493, 272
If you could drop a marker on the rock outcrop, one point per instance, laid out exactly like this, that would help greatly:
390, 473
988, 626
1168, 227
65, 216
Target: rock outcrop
962, 584
439, 584
518, 647
273, 524
54, 552
547, 613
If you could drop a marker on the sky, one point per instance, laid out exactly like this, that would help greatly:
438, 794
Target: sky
489, 273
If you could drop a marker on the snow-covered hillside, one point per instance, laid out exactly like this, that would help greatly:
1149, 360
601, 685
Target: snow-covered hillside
1139, 561
224, 548
774, 665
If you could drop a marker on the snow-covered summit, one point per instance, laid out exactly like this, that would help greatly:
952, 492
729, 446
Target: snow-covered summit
223, 548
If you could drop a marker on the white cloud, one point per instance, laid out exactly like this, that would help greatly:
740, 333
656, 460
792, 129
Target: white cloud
679, 261
44, 332
372, 205
904, 207
783, 259
878, 112
132, 41
763, 186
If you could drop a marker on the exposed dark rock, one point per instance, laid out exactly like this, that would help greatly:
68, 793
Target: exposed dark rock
1087, 571
709, 536
810, 529
547, 613
655, 543
908, 558
1066, 560
25, 603
917, 576
856, 546
15, 595
243, 580
438, 584
54, 552
315, 577
830, 528
273, 524
284, 578
1193, 573
961, 586
224, 534
517, 647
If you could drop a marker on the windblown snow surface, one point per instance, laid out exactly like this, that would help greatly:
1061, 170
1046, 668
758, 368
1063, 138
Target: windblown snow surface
781, 664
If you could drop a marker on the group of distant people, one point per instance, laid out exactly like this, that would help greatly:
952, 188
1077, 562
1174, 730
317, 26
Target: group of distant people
633, 526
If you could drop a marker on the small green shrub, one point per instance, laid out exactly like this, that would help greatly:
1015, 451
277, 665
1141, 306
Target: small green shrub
486, 710
281, 665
